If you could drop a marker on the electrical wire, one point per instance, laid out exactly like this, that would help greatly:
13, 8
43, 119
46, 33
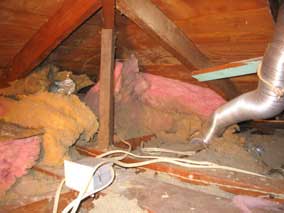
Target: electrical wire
57, 196
82, 195
74, 205
154, 150
177, 161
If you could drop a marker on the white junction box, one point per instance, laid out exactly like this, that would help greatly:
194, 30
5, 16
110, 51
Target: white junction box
78, 174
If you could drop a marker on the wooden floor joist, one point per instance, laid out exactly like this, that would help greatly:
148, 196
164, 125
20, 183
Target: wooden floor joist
247, 185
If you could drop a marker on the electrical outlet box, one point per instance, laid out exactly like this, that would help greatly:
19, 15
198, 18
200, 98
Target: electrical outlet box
78, 174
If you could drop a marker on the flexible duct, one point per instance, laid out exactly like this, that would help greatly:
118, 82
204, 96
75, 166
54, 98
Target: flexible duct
264, 102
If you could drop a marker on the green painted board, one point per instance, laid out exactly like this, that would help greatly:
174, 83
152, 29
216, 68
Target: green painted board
249, 68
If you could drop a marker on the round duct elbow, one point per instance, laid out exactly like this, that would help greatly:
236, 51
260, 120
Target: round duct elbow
264, 102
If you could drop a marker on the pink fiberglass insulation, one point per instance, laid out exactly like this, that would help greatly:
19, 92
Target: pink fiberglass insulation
246, 203
173, 95
16, 157
158, 92
92, 97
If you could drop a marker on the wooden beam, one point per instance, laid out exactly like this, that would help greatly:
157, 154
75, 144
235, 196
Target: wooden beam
56, 29
148, 17
234, 183
263, 126
225, 87
3, 79
108, 13
106, 101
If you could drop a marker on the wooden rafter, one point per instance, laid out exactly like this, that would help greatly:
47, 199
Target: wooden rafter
147, 16
56, 29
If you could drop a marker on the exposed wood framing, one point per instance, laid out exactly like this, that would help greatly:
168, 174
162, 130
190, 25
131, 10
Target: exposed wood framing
58, 27
3, 82
106, 100
45, 205
225, 87
147, 16
263, 126
108, 13
236, 184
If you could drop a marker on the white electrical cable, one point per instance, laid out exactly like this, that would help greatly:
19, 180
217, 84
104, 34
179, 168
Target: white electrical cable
177, 161
155, 150
57, 196
161, 150
151, 159
82, 195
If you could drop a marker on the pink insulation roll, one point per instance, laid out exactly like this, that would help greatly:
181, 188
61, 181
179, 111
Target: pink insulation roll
158, 92
16, 157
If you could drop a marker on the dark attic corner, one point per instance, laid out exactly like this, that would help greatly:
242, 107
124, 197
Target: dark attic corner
155, 106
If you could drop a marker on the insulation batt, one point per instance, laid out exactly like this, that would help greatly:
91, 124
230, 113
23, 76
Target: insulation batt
65, 120
16, 157
158, 92
246, 203
148, 104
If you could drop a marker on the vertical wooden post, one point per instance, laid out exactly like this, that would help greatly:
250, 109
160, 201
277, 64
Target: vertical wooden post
106, 101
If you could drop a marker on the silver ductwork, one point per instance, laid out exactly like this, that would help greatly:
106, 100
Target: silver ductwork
264, 102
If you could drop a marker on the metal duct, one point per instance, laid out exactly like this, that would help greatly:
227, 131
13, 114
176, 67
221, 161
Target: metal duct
264, 102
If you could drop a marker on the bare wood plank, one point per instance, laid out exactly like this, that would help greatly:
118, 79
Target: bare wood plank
148, 17
3, 82
106, 102
108, 13
263, 126
225, 87
181, 9
238, 184
58, 27
45, 8
45, 205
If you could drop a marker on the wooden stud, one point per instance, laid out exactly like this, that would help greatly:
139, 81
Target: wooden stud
106, 101
58, 27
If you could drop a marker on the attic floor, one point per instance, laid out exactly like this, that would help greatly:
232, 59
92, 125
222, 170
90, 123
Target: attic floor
150, 190
155, 193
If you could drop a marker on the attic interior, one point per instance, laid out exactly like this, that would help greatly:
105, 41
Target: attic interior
153, 106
